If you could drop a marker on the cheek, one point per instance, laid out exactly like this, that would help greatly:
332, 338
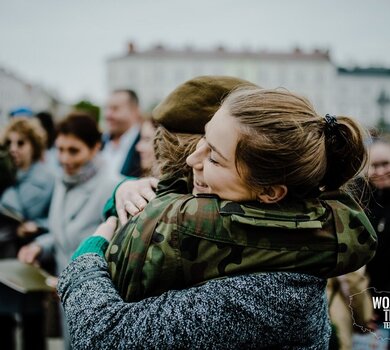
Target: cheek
122, 117
64, 157
76, 160
150, 147
151, 151
31, 151
145, 147
216, 178
28, 153
238, 184
148, 155
88, 156
207, 171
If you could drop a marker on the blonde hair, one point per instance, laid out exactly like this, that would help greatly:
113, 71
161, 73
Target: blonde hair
284, 141
30, 129
172, 150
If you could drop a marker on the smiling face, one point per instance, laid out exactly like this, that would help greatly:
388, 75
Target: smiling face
121, 114
74, 153
145, 146
20, 149
214, 162
379, 169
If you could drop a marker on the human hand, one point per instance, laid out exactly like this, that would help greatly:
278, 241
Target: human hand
26, 229
28, 254
52, 281
132, 196
107, 228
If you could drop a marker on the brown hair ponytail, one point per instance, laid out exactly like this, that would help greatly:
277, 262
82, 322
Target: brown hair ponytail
345, 151
284, 141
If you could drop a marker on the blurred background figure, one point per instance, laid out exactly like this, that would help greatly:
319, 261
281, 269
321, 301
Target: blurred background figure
123, 123
339, 289
29, 197
379, 211
79, 195
50, 156
27, 202
145, 148
7, 169
76, 206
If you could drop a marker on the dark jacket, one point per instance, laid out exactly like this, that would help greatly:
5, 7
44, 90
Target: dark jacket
132, 163
379, 213
7, 169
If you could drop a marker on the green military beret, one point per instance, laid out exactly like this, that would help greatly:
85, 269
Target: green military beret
191, 105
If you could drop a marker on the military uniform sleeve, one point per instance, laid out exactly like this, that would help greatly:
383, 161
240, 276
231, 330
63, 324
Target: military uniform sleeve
251, 311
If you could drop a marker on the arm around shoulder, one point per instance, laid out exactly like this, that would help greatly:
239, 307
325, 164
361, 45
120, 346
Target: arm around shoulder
99, 319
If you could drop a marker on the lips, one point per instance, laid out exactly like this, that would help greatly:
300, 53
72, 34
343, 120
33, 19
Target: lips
70, 170
200, 187
200, 184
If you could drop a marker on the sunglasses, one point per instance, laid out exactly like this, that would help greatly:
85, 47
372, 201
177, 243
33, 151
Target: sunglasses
19, 143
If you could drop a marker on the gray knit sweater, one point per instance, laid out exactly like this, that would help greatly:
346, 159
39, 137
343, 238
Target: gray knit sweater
269, 310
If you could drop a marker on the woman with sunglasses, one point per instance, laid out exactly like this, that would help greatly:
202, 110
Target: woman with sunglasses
27, 201
29, 198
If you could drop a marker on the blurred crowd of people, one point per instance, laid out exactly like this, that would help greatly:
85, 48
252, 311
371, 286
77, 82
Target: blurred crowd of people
55, 180
57, 176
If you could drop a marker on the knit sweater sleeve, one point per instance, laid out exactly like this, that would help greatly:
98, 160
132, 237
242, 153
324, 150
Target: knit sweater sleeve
91, 244
284, 310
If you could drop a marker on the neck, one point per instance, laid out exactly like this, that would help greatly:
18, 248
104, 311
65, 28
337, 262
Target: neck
115, 137
25, 167
115, 140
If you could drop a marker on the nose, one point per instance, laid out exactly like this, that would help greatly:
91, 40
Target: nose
108, 113
381, 170
195, 159
13, 147
63, 158
139, 146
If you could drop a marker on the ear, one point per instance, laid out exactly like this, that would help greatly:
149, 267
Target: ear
272, 194
96, 149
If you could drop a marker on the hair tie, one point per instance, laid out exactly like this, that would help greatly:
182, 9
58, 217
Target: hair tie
330, 123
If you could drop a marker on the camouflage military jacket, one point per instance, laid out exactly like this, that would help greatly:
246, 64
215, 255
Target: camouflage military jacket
182, 240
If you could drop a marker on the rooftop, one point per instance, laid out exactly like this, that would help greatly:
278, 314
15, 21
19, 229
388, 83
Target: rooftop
368, 71
160, 50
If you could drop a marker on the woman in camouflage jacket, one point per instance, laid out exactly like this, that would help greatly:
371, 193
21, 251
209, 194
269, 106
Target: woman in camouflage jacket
181, 240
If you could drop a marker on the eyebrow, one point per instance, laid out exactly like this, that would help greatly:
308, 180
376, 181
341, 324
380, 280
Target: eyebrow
213, 147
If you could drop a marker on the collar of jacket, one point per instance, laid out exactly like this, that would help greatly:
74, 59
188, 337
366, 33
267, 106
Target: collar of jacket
171, 184
300, 214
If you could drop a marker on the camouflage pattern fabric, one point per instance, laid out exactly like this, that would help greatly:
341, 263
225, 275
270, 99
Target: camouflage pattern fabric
183, 240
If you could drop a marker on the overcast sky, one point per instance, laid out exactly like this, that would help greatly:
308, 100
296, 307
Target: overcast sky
64, 45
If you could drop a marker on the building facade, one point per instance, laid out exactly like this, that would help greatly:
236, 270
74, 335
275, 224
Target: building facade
155, 72
364, 93
16, 92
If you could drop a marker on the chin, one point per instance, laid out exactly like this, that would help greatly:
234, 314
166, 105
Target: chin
385, 183
382, 186
199, 190
69, 172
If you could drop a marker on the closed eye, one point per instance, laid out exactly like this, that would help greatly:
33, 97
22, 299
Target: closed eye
211, 160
